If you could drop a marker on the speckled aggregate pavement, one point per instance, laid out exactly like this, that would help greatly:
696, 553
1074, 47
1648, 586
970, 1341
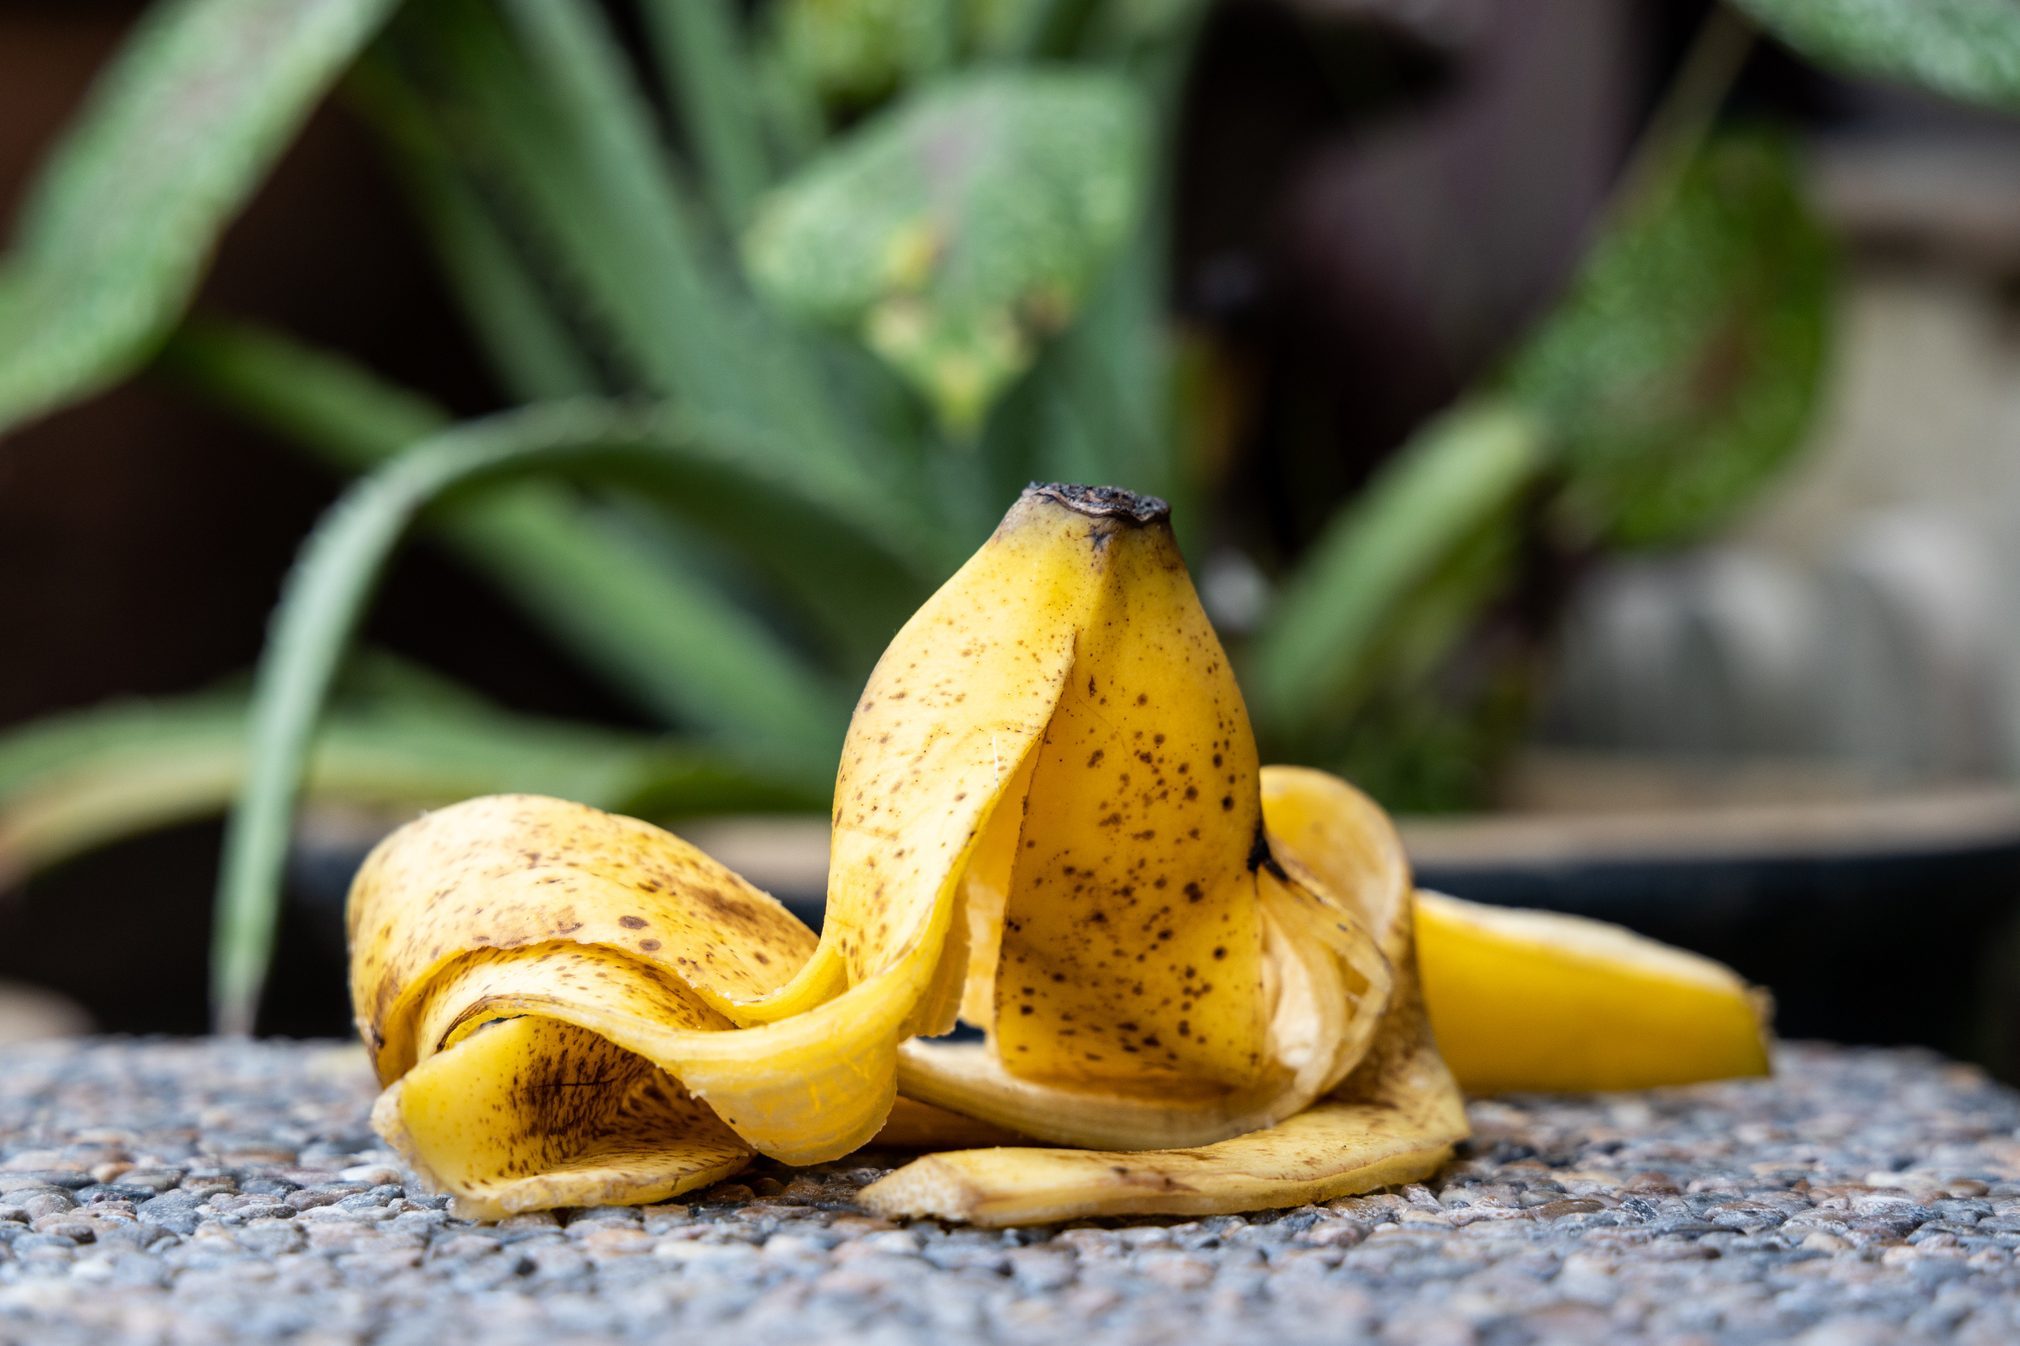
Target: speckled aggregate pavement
190, 1192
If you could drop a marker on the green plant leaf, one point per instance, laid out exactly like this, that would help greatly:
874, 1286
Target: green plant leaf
325, 600
1683, 368
661, 635
177, 134
1967, 49
958, 228
704, 61
548, 115
75, 782
853, 52
1346, 614
565, 127
533, 348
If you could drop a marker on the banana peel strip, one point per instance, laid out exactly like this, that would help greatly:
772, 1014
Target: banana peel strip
1050, 821
1395, 1121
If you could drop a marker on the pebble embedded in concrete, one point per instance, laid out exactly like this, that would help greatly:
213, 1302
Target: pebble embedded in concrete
178, 1191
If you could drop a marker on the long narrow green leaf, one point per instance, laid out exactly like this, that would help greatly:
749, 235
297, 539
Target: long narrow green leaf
357, 421
570, 139
662, 636
323, 603
348, 416
178, 133
73, 783
1968, 49
703, 61
503, 127
608, 129
529, 344
1325, 629
742, 370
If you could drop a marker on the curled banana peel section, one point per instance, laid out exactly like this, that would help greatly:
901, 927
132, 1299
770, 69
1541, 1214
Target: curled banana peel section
1388, 1110
548, 990
1197, 978
1148, 970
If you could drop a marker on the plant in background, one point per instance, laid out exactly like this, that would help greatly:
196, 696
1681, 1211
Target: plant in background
779, 351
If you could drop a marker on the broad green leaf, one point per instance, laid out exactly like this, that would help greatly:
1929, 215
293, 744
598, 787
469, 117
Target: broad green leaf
75, 782
1968, 49
176, 136
1683, 368
958, 229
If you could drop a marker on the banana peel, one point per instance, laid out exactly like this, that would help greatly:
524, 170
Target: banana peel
1198, 974
1395, 1121
1535, 1000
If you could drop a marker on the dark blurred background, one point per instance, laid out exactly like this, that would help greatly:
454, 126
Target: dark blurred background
1375, 199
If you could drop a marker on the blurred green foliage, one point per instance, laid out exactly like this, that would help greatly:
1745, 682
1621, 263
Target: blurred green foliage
110, 244
1966, 49
957, 232
1680, 370
796, 336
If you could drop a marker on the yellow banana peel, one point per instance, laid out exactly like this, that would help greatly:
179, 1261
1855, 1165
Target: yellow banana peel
1537, 1000
1198, 974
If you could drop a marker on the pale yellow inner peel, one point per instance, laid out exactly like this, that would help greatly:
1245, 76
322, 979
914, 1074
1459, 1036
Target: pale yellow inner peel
530, 1113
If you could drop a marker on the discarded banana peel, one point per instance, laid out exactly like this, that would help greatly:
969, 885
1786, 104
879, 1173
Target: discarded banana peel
1050, 821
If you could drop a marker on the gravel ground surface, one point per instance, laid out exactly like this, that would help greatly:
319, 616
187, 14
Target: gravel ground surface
195, 1192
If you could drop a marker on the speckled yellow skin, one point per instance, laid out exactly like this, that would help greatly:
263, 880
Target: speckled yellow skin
1133, 866
512, 878
1048, 810
1147, 971
1391, 1115
541, 912
530, 1113
1050, 820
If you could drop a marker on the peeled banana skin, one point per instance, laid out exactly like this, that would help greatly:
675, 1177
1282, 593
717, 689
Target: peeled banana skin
1396, 1119
1197, 977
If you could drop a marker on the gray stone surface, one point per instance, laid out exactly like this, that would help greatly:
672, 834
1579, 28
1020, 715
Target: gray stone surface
183, 1192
